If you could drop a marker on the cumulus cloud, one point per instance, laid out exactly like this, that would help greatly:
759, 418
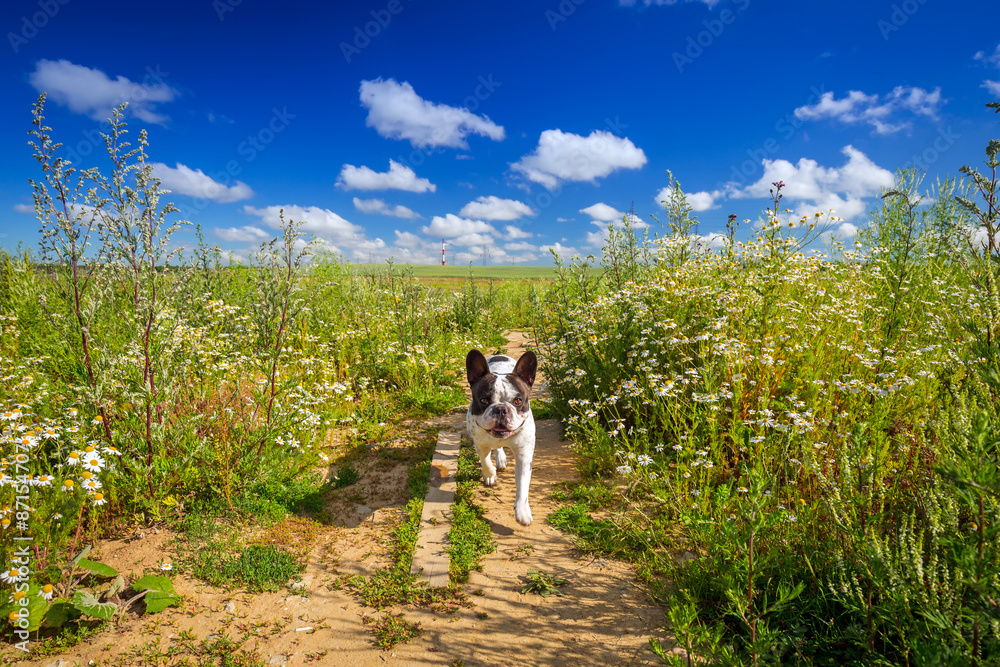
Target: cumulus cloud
395, 111
245, 234
24, 208
380, 207
399, 177
452, 226
698, 201
408, 239
560, 249
495, 208
877, 111
94, 93
564, 156
993, 59
512, 232
817, 188
339, 235
183, 180
601, 211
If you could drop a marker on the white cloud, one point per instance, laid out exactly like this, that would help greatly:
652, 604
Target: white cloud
409, 240
245, 234
843, 232
561, 250
698, 201
512, 232
520, 246
857, 107
495, 208
563, 156
399, 177
340, 235
452, 226
92, 92
380, 207
601, 211
24, 208
817, 188
397, 112
992, 86
183, 180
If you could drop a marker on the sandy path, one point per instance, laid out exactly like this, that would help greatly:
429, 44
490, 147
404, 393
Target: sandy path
603, 618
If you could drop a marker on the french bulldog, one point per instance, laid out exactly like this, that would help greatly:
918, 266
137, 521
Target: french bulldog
500, 416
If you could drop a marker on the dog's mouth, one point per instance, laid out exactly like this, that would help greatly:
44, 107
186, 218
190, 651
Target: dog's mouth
500, 432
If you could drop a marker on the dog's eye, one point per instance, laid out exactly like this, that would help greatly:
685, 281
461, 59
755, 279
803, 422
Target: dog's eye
484, 401
517, 401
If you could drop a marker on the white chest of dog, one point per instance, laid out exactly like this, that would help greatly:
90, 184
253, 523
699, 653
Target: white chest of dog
500, 416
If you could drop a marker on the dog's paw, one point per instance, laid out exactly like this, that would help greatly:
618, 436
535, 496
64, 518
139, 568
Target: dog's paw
523, 514
501, 459
490, 480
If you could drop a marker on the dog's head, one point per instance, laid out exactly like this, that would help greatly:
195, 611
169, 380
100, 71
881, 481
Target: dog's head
500, 390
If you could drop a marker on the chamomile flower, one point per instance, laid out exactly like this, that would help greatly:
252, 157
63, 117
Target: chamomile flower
167, 567
97, 420
47, 591
43, 480
92, 485
16, 597
68, 485
645, 459
73, 458
111, 451
97, 499
5, 523
10, 576
93, 462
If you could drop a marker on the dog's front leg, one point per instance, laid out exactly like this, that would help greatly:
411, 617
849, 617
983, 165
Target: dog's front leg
486, 461
522, 475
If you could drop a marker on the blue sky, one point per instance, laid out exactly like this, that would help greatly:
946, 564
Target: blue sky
504, 128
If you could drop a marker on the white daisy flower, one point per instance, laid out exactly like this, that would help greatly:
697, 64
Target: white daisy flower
93, 462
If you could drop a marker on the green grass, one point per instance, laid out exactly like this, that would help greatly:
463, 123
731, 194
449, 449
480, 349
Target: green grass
462, 272
470, 538
259, 568
393, 629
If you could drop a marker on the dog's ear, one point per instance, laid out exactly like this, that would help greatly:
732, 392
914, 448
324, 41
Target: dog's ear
476, 366
526, 367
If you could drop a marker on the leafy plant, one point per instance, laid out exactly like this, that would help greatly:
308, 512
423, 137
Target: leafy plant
543, 583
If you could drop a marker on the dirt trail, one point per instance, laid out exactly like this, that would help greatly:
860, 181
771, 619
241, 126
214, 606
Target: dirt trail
602, 619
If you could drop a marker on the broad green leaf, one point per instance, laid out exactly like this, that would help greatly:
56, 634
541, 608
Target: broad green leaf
59, 612
36, 608
98, 568
158, 601
80, 556
154, 582
88, 604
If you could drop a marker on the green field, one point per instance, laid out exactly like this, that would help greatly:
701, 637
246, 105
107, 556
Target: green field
463, 272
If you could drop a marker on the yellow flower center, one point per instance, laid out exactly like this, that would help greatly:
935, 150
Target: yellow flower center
88, 449
47, 588
68, 484
86, 475
98, 496
94, 462
18, 595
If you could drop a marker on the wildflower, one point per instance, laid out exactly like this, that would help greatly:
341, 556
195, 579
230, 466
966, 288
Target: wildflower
16, 597
94, 463
743, 489
677, 448
67, 485
111, 450
5, 523
73, 458
98, 499
92, 485
659, 447
166, 567
97, 420
47, 591
645, 459
10, 576
624, 469
43, 480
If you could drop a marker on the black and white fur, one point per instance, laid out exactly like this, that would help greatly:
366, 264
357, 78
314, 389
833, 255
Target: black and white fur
500, 416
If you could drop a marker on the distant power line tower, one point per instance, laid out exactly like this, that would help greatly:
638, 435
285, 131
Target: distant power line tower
442, 252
